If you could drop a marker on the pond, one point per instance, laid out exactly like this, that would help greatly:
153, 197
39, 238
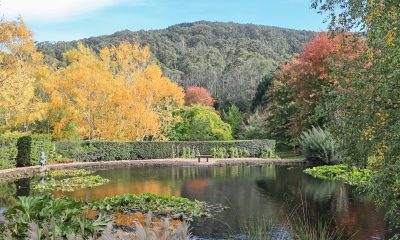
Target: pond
252, 193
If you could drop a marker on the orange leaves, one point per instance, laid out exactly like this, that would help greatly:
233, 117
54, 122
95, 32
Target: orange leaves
309, 74
198, 95
118, 95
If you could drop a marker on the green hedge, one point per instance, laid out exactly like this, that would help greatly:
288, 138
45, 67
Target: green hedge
29, 148
19, 150
91, 151
8, 150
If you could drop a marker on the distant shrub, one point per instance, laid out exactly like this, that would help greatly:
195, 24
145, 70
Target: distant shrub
188, 152
269, 153
232, 152
318, 145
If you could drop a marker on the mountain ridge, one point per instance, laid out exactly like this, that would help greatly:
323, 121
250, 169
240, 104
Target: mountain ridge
228, 58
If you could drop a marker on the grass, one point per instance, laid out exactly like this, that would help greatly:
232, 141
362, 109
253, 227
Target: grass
299, 224
290, 156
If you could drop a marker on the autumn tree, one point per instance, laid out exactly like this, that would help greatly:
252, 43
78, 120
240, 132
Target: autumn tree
369, 124
308, 83
198, 95
20, 67
119, 95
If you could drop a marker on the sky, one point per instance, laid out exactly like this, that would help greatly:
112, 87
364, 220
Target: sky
64, 20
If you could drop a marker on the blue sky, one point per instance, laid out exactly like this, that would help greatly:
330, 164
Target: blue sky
55, 20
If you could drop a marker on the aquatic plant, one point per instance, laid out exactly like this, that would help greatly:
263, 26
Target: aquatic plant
350, 175
69, 173
173, 207
71, 184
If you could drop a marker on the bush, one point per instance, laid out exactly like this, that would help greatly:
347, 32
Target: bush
200, 123
232, 152
19, 149
91, 151
318, 145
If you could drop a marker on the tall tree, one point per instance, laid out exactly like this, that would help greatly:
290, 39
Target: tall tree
235, 119
117, 96
306, 81
260, 98
369, 123
20, 66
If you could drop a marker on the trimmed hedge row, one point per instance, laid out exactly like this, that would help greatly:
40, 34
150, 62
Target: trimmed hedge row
19, 150
91, 151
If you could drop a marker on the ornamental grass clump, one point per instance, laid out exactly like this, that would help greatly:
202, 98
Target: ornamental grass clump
319, 146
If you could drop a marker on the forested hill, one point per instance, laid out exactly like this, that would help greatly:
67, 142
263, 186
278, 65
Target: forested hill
227, 58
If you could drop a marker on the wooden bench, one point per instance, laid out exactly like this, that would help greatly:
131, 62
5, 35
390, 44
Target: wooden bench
203, 156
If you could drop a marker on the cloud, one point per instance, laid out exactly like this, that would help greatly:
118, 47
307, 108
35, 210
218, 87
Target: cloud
55, 10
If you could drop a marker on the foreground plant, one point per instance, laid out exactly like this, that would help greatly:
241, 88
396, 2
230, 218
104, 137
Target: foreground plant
299, 224
46, 216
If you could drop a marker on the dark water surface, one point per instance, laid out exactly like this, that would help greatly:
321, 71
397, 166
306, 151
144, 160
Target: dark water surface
252, 193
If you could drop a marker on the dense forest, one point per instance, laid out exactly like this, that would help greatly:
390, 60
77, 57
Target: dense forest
229, 59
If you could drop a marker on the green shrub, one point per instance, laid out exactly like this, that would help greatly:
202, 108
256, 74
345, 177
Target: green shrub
269, 153
318, 145
200, 123
90, 151
188, 152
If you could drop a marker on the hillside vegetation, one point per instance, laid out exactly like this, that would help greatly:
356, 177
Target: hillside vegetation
229, 59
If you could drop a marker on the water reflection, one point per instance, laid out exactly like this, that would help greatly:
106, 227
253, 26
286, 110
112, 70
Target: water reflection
252, 193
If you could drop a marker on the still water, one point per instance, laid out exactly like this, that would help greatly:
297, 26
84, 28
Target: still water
252, 193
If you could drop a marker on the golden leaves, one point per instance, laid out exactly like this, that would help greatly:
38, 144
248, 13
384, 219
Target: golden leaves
20, 70
119, 95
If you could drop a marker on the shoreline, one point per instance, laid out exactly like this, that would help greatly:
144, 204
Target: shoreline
23, 172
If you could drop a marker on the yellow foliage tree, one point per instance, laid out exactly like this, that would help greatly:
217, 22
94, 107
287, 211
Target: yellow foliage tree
119, 95
20, 70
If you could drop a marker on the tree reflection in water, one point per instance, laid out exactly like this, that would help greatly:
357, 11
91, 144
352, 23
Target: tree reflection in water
252, 193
